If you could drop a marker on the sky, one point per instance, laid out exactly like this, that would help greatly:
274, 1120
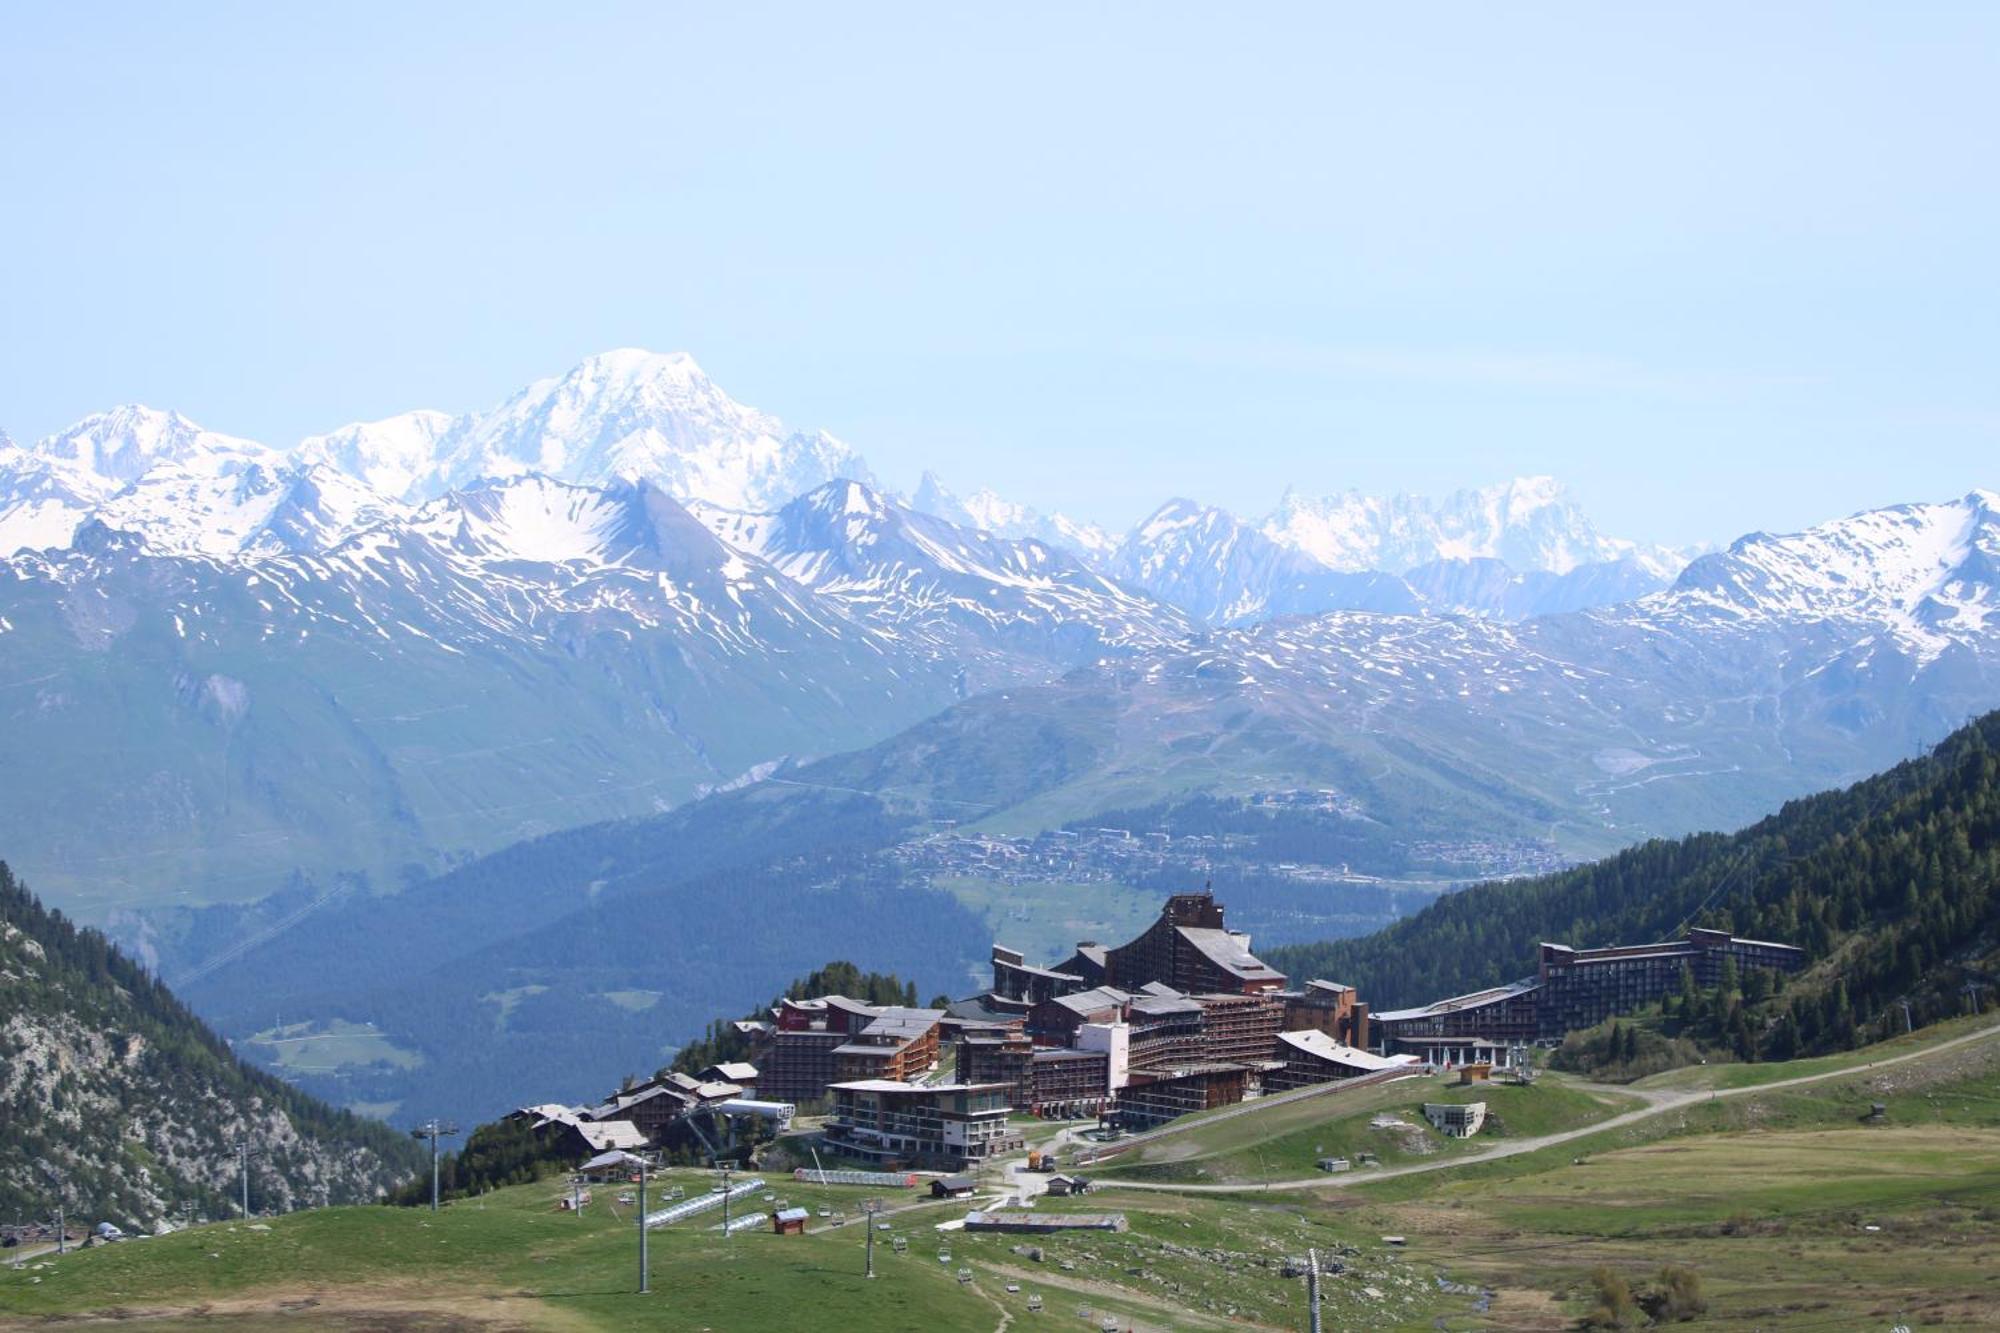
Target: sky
1717, 267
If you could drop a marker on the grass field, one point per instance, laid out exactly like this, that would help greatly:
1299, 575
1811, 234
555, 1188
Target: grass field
318, 1048
1799, 1209
1287, 1142
510, 1259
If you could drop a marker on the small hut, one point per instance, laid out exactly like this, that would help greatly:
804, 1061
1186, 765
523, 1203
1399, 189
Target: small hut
953, 1187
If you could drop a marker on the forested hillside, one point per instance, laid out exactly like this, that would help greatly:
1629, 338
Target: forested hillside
1892, 886
119, 1100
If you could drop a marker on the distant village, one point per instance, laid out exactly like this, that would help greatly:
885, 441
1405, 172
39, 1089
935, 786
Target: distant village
1182, 1018
1106, 855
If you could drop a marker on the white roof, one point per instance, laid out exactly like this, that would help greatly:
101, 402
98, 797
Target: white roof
1477, 999
607, 1134
1320, 1046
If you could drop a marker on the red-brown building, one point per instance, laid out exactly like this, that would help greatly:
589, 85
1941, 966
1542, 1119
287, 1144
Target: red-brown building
1189, 949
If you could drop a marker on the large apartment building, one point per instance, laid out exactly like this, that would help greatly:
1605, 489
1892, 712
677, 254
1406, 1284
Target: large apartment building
1190, 949
944, 1127
1581, 988
1575, 988
813, 1043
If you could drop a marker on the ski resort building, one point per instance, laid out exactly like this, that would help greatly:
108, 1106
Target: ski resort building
813, 1043
1575, 988
1310, 1057
1329, 1007
1501, 1014
1182, 1017
1581, 988
1190, 949
943, 1126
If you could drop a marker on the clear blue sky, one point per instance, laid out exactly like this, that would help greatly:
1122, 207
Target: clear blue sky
1719, 267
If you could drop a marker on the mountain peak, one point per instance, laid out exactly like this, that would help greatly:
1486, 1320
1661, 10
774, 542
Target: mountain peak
123, 444
1530, 522
643, 360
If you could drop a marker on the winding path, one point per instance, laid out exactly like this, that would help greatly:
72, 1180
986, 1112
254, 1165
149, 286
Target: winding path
1659, 1101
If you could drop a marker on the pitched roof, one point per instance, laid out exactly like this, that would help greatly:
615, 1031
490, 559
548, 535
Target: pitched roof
1475, 1000
1227, 951
1094, 1000
983, 1009
1172, 1003
602, 1135
1322, 1047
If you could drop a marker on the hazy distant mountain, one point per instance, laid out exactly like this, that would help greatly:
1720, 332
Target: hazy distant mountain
986, 511
416, 638
626, 415
639, 415
972, 597
1779, 666
1774, 669
515, 657
1221, 571
1225, 572
1530, 523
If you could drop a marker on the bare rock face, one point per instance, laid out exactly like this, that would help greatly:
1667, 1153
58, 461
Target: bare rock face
123, 1105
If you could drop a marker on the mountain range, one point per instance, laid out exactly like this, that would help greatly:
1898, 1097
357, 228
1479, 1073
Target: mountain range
408, 641
1393, 740
585, 675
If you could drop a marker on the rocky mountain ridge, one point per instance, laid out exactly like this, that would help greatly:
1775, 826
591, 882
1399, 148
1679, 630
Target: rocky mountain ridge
118, 1101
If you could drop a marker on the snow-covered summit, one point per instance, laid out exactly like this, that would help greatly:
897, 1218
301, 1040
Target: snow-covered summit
120, 446
1928, 573
1531, 523
987, 511
624, 416
966, 594
395, 456
635, 415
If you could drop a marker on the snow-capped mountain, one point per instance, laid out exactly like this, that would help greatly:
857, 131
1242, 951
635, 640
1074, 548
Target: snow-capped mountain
259, 508
1004, 609
138, 468
396, 456
1482, 586
1224, 572
623, 416
1925, 575
118, 447
1530, 523
414, 637
1785, 665
641, 416
986, 511
515, 657
42, 500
